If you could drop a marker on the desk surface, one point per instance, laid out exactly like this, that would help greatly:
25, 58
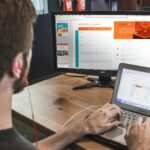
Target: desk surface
54, 102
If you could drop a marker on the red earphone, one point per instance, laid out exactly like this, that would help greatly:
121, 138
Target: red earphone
25, 78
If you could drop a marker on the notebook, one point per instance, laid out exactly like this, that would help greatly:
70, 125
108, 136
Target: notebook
132, 95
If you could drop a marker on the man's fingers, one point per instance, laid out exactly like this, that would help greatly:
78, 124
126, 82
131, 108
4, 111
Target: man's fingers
113, 106
139, 121
146, 123
128, 129
111, 109
113, 124
103, 108
106, 105
114, 113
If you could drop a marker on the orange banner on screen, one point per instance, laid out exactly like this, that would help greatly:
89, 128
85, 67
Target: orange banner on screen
95, 28
132, 30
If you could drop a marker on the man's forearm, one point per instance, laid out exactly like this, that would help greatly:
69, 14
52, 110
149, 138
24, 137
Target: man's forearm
98, 122
63, 138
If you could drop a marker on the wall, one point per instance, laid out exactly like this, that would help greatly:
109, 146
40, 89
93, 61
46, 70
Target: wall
42, 63
54, 5
41, 6
103, 5
125, 5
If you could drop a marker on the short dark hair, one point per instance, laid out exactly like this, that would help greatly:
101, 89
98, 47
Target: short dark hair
16, 21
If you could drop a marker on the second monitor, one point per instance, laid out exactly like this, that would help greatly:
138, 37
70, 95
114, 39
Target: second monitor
97, 42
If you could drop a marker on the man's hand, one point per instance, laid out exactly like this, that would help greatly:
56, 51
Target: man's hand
103, 119
98, 122
138, 135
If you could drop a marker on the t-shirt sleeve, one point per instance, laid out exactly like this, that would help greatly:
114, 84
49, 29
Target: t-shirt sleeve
10, 139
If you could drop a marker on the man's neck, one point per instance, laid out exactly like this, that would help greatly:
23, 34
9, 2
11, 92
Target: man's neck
5, 104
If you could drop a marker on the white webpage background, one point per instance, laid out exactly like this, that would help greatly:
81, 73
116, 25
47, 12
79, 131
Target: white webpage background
99, 49
135, 88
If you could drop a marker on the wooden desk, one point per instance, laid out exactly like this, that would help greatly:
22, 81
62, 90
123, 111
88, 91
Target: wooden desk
55, 102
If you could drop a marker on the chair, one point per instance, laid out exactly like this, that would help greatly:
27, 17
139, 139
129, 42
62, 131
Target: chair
127, 5
145, 5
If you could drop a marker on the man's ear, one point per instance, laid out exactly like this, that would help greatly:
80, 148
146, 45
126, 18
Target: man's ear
17, 65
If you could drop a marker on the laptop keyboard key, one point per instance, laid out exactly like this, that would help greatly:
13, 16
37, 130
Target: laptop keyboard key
129, 117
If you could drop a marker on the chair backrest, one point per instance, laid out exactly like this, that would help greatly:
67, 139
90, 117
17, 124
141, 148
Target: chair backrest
145, 5
124, 5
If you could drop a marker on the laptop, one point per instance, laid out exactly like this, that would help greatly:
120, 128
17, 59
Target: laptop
132, 95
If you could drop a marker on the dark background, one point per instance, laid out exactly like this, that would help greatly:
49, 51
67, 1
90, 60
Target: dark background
42, 63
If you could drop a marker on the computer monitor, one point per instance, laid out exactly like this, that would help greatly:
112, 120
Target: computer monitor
97, 42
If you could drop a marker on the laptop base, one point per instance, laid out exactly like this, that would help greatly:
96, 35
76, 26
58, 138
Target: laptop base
107, 142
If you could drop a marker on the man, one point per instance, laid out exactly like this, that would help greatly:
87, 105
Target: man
138, 135
16, 35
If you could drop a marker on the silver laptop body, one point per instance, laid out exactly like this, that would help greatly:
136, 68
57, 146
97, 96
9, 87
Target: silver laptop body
132, 95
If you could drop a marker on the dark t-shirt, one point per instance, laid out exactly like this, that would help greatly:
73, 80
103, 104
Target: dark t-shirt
10, 139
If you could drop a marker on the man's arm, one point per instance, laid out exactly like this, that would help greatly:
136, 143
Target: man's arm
98, 122
62, 139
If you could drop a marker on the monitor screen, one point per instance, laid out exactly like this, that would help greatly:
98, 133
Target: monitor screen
102, 41
134, 89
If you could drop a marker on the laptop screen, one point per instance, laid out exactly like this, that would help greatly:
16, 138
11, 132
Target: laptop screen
134, 89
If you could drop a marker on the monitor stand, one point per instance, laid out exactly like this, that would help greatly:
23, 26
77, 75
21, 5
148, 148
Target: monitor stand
100, 82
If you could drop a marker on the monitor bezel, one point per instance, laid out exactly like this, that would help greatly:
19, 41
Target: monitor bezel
99, 72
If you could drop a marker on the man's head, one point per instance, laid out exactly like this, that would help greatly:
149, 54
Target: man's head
16, 36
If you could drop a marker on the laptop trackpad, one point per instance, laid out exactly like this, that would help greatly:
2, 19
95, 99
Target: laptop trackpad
116, 134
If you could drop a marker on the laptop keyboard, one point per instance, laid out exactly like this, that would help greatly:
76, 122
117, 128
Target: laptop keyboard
130, 117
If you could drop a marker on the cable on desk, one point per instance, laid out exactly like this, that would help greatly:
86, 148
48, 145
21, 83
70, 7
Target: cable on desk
71, 118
